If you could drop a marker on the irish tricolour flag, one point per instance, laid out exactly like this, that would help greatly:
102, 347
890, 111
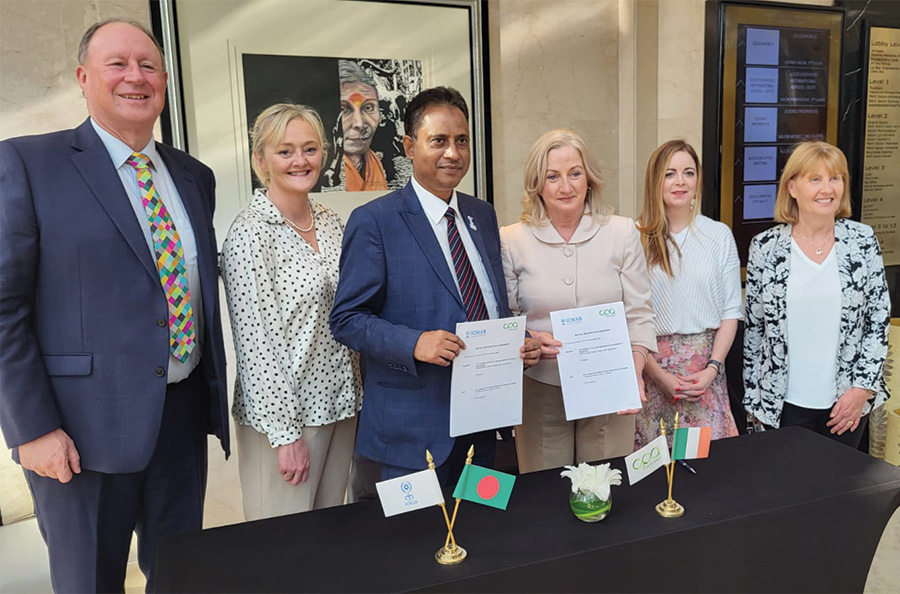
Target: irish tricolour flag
691, 442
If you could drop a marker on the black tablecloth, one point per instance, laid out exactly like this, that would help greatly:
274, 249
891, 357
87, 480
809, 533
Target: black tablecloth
784, 511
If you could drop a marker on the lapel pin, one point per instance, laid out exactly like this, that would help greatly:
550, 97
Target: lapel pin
472, 223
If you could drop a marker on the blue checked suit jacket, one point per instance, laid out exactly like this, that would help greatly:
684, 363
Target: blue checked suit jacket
394, 285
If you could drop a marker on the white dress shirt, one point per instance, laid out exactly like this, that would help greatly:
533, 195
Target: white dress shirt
119, 152
291, 373
435, 209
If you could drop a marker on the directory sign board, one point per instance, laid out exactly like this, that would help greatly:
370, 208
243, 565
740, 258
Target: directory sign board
781, 80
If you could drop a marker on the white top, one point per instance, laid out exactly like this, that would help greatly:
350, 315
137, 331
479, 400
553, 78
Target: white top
435, 209
119, 152
601, 263
813, 329
706, 286
291, 372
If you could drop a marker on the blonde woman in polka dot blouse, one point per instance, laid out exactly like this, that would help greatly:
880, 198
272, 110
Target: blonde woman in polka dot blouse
298, 391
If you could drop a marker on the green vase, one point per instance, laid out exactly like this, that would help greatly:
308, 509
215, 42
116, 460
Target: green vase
587, 507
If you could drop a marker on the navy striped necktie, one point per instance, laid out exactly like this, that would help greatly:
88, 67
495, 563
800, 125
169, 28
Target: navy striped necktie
472, 298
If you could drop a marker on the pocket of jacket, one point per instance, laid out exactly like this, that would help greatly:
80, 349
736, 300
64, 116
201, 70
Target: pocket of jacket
68, 364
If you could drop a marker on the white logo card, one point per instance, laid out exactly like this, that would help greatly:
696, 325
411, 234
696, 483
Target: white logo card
646, 460
409, 493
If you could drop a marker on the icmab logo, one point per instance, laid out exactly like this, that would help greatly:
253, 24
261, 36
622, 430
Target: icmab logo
569, 321
470, 333
649, 458
407, 489
607, 312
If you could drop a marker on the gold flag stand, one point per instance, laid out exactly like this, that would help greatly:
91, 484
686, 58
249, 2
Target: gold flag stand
451, 553
669, 508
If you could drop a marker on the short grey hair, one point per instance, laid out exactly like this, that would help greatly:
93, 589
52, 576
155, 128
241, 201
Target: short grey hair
89, 34
351, 72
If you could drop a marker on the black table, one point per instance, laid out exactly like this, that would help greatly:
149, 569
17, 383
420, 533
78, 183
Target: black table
784, 511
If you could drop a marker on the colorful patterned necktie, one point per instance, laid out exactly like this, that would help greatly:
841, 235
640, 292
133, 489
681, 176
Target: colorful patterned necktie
473, 300
169, 261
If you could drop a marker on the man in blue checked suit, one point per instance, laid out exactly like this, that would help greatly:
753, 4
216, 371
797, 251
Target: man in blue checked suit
112, 370
414, 264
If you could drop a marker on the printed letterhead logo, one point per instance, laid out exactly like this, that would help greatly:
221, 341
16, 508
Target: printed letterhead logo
607, 312
409, 497
474, 333
568, 321
510, 325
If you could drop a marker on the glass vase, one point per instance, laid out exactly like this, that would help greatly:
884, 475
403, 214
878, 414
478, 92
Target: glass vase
587, 507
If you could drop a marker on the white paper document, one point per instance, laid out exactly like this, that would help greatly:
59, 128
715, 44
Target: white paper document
486, 386
596, 368
409, 493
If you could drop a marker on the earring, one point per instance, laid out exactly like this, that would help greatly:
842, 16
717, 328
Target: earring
693, 203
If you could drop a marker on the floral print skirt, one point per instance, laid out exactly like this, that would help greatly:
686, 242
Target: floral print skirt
684, 354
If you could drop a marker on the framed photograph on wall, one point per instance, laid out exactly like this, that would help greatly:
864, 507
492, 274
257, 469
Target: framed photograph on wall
357, 62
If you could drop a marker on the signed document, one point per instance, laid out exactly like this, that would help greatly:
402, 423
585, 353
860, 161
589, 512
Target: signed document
486, 387
596, 368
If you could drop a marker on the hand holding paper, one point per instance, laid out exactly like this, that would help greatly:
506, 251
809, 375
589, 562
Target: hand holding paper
486, 385
596, 368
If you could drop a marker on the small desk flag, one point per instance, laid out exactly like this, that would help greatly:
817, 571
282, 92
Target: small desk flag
646, 460
484, 486
691, 442
409, 493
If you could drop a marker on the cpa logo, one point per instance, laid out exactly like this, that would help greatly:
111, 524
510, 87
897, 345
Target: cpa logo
647, 459
510, 325
408, 496
607, 312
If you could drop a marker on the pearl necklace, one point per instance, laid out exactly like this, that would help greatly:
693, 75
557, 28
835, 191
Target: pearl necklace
312, 221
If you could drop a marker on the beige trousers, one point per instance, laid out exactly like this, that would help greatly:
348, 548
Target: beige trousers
265, 492
545, 439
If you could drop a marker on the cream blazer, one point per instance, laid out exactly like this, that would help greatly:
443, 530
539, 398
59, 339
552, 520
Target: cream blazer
602, 263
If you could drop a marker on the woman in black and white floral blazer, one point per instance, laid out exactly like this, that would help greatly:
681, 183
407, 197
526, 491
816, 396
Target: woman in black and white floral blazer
818, 307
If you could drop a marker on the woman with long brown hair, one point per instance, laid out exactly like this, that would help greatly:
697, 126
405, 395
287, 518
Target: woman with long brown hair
696, 292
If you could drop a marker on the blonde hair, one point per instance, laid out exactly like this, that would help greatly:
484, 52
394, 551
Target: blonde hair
533, 210
805, 159
652, 222
269, 129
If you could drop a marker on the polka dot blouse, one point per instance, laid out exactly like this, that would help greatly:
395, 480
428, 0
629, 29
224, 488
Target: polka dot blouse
291, 372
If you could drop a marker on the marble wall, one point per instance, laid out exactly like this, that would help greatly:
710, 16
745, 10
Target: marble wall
38, 45
553, 65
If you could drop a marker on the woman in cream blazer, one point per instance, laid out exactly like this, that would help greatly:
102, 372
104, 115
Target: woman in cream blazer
567, 252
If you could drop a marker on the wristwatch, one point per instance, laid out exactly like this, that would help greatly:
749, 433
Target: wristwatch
717, 364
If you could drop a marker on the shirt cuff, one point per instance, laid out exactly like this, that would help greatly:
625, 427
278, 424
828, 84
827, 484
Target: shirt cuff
285, 437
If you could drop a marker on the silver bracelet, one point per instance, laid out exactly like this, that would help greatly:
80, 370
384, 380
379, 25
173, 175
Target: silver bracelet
641, 353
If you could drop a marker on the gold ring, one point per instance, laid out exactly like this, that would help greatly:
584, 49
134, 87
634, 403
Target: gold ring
850, 423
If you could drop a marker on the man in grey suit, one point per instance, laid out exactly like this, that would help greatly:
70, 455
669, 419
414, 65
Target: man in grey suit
112, 370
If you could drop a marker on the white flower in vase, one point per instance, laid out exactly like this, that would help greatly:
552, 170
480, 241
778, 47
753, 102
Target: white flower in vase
593, 479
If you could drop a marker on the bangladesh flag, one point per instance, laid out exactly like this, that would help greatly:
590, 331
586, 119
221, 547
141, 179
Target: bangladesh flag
484, 486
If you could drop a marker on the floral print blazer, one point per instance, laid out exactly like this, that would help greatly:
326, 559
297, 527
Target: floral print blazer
865, 315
